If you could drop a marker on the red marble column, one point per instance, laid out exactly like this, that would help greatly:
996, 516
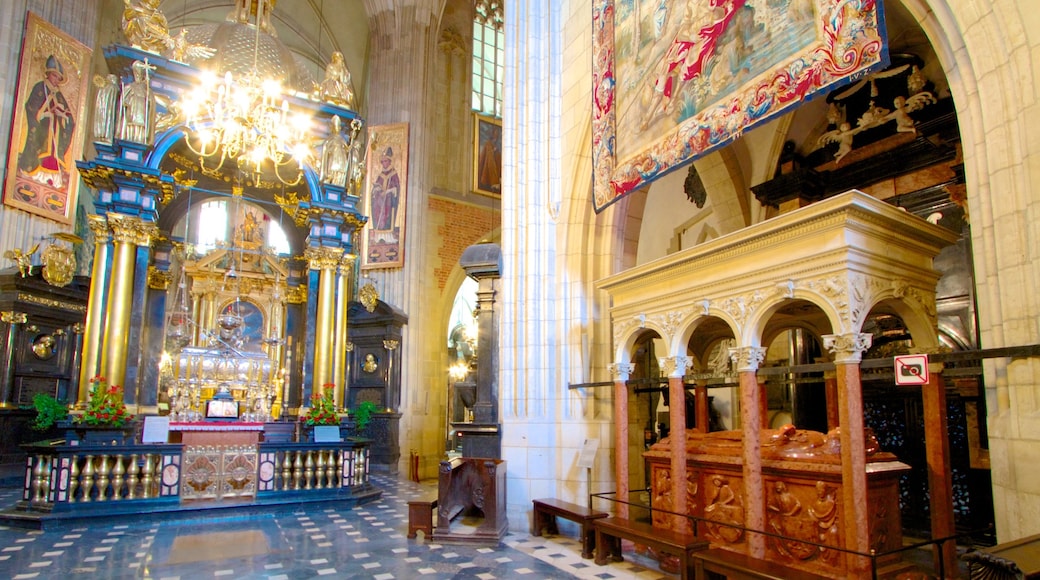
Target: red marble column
746, 361
830, 389
703, 415
937, 451
675, 368
621, 372
848, 350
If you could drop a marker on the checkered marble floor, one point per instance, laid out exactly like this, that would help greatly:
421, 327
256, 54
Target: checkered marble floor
319, 542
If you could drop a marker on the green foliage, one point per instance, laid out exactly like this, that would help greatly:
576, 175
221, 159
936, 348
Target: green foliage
363, 414
48, 411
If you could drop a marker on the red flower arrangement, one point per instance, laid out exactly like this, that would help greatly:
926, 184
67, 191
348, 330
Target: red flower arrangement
106, 407
323, 409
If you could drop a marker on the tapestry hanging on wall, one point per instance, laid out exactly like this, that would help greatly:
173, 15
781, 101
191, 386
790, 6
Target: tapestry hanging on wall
386, 186
673, 81
47, 124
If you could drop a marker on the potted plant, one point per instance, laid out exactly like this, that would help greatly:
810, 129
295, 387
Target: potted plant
106, 419
49, 411
321, 412
362, 415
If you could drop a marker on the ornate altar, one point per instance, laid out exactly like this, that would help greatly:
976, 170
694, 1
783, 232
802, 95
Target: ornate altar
227, 340
801, 471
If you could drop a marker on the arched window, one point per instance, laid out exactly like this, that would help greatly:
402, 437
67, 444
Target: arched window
487, 58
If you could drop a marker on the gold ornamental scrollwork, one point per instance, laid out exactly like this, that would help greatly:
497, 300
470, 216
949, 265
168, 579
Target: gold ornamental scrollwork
59, 265
349, 219
159, 279
290, 204
368, 296
390, 344
98, 177
82, 308
11, 317
296, 295
323, 258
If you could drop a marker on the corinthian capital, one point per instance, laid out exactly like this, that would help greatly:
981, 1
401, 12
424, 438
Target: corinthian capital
848, 348
675, 366
99, 227
621, 371
323, 258
747, 358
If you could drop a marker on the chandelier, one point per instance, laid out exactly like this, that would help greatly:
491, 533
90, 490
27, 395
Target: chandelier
247, 120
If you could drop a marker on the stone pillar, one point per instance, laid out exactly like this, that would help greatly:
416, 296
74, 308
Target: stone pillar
10, 320
325, 260
482, 437
848, 351
95, 308
621, 372
675, 369
746, 360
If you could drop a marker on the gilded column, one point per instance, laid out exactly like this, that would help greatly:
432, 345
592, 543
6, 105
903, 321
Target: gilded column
621, 372
95, 308
848, 351
324, 259
675, 368
11, 320
339, 351
747, 360
127, 233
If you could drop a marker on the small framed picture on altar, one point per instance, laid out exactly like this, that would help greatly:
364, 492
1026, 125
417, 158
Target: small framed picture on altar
221, 409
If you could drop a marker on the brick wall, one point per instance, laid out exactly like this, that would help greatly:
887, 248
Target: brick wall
457, 226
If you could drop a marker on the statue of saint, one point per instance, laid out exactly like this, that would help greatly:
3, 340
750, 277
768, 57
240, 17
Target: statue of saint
105, 108
137, 122
145, 26
336, 87
335, 156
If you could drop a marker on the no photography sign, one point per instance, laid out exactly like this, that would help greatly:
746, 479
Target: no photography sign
911, 369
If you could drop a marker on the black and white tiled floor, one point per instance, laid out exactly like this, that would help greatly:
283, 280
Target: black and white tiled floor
320, 542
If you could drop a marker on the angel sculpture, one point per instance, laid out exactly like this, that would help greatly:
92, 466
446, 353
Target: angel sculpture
22, 259
843, 137
183, 51
145, 26
904, 106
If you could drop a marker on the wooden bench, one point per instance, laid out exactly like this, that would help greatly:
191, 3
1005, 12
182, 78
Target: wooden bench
420, 516
736, 565
548, 509
610, 531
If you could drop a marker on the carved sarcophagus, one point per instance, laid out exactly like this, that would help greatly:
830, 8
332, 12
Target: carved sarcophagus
801, 472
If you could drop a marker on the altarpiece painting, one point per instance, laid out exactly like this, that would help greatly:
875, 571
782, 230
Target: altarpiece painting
386, 185
47, 124
673, 80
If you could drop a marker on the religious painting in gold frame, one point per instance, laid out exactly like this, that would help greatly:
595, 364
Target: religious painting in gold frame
487, 155
386, 195
48, 122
